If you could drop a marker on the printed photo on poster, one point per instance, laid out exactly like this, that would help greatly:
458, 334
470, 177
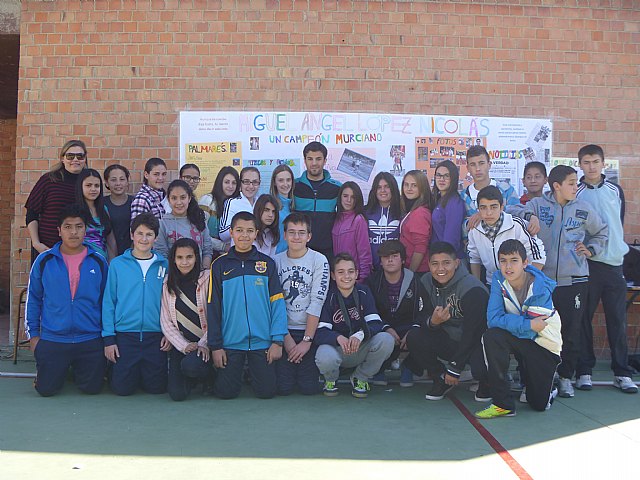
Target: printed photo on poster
210, 158
357, 165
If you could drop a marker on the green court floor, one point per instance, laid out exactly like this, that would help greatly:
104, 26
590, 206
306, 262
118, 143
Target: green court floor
395, 433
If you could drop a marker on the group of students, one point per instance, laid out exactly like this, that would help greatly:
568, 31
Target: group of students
234, 284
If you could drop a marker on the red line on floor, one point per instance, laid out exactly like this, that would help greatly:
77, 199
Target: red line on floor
511, 462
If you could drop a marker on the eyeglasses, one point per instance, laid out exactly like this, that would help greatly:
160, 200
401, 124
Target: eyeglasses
189, 178
255, 183
443, 175
71, 156
297, 233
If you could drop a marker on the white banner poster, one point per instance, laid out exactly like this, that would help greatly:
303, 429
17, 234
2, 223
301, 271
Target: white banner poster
360, 144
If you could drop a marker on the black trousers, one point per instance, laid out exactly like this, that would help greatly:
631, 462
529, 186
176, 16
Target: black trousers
229, 379
426, 346
606, 283
185, 371
539, 366
571, 303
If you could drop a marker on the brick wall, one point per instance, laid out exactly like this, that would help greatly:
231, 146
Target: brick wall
7, 174
116, 73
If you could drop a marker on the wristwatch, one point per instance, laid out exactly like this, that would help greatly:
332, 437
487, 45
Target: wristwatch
278, 343
307, 338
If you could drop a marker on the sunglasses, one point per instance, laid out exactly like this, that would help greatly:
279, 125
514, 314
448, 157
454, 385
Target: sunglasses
71, 156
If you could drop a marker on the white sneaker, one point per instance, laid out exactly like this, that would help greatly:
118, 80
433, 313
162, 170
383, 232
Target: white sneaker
625, 384
552, 396
523, 395
584, 382
565, 389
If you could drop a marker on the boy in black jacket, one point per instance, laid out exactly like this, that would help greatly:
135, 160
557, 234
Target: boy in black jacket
400, 299
457, 317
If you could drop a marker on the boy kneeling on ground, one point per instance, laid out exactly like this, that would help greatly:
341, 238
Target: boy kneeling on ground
349, 333
523, 321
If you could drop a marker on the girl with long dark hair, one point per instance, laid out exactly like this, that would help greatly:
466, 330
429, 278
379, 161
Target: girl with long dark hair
183, 318
449, 212
186, 220
383, 212
350, 232
266, 212
89, 195
226, 185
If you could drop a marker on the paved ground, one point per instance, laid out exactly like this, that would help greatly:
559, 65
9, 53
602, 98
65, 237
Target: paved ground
394, 433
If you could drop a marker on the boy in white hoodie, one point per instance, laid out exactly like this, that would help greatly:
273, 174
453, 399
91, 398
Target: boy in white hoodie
521, 320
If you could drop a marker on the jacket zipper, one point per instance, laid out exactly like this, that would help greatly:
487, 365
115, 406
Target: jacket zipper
246, 310
559, 240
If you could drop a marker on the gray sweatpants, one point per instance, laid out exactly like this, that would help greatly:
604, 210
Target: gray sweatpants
367, 360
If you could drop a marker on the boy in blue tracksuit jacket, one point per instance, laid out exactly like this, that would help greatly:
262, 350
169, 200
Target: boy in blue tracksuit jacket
133, 339
247, 314
62, 318
521, 320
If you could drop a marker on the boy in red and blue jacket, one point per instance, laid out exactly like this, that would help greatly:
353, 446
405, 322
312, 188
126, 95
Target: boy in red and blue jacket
63, 321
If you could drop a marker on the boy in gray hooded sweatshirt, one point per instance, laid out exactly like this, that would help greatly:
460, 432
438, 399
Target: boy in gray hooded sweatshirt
572, 231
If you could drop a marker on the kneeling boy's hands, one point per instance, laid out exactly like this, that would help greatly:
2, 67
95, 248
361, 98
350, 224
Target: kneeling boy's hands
299, 351
219, 358
203, 353
274, 353
354, 344
112, 353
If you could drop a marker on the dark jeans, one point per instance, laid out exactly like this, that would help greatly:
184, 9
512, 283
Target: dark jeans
539, 367
53, 360
427, 345
571, 303
606, 283
141, 364
228, 381
304, 375
185, 371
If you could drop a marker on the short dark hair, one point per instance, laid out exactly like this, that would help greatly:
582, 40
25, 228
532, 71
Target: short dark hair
147, 219
442, 247
490, 192
391, 247
539, 165
476, 151
558, 174
511, 246
342, 257
111, 168
247, 216
297, 218
186, 166
315, 147
590, 150
75, 210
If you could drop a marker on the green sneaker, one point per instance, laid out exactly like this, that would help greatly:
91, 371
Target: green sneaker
494, 412
360, 388
330, 389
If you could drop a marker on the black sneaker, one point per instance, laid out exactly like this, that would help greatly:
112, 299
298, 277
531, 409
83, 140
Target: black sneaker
483, 394
439, 390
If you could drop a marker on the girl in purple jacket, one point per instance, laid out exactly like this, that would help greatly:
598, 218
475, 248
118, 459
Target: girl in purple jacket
449, 213
350, 231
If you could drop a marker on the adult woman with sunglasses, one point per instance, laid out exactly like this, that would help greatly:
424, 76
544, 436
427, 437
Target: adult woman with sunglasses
51, 193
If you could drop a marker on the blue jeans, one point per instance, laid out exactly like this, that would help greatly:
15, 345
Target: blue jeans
141, 364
